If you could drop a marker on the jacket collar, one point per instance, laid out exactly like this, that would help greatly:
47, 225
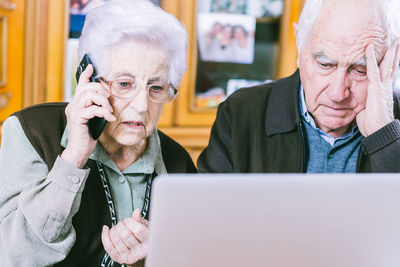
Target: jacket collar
283, 111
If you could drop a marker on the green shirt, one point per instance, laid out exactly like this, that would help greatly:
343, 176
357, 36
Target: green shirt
128, 187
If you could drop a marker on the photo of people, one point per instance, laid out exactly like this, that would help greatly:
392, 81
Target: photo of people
77, 11
82, 7
229, 6
235, 84
264, 8
226, 37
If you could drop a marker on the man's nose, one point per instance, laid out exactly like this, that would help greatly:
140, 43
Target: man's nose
141, 99
339, 87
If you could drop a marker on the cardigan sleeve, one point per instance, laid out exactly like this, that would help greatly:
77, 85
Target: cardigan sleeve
382, 148
36, 205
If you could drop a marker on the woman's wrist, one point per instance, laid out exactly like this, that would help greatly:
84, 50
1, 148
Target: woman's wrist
74, 158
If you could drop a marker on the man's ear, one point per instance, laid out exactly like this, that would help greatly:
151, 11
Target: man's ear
295, 26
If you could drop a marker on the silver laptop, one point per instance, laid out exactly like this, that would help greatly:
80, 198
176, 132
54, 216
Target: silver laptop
275, 220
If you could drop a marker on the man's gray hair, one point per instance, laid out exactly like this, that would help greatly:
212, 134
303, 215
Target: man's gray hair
312, 8
137, 20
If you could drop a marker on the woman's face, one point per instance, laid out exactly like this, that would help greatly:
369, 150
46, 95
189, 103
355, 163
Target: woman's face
227, 31
137, 117
239, 33
216, 29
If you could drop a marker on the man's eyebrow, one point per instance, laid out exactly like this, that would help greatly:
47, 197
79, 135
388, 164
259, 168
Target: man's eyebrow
320, 56
361, 63
154, 79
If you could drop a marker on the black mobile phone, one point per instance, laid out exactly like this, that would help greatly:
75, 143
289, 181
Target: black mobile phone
95, 124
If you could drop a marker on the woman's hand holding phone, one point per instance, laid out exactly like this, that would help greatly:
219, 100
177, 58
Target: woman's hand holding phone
90, 100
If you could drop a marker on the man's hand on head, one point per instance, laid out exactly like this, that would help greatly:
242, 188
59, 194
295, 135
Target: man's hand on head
378, 110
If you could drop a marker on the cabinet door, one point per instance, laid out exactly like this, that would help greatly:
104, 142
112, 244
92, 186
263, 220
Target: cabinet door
31, 53
272, 36
11, 56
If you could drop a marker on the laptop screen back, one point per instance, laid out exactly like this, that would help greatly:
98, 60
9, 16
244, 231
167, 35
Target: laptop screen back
277, 220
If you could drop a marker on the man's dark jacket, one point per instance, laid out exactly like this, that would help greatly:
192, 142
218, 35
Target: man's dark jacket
44, 125
259, 130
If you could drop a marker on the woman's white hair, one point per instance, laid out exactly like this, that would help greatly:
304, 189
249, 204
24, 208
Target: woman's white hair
137, 20
312, 8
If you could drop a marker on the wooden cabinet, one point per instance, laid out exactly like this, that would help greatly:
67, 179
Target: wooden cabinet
31, 53
191, 126
36, 56
11, 56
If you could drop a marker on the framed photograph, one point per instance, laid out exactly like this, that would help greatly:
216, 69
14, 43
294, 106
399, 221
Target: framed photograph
229, 6
210, 99
3, 50
78, 10
235, 84
156, 2
82, 7
226, 37
265, 8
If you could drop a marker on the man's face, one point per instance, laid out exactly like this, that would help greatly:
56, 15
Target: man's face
332, 63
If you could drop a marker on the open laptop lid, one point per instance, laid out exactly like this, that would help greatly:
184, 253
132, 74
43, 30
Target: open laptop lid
277, 220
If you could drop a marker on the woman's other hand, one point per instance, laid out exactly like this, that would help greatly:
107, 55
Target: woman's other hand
126, 242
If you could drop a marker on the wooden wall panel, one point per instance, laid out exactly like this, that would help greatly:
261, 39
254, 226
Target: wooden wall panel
13, 36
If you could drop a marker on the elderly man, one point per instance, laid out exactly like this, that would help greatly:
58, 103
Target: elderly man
337, 113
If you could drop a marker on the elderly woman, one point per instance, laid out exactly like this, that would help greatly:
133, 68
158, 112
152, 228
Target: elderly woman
67, 199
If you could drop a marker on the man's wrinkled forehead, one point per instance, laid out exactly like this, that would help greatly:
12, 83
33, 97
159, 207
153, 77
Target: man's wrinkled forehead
369, 8
339, 24
348, 15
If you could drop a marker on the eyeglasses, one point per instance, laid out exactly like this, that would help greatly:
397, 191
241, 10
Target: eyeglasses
126, 89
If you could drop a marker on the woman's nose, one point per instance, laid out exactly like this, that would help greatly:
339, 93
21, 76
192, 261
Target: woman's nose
140, 101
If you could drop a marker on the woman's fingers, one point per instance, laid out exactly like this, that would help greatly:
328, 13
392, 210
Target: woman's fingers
122, 242
93, 98
86, 74
126, 236
121, 247
138, 217
108, 243
83, 89
90, 100
137, 226
95, 111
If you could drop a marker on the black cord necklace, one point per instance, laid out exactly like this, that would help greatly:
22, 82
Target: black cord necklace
107, 261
